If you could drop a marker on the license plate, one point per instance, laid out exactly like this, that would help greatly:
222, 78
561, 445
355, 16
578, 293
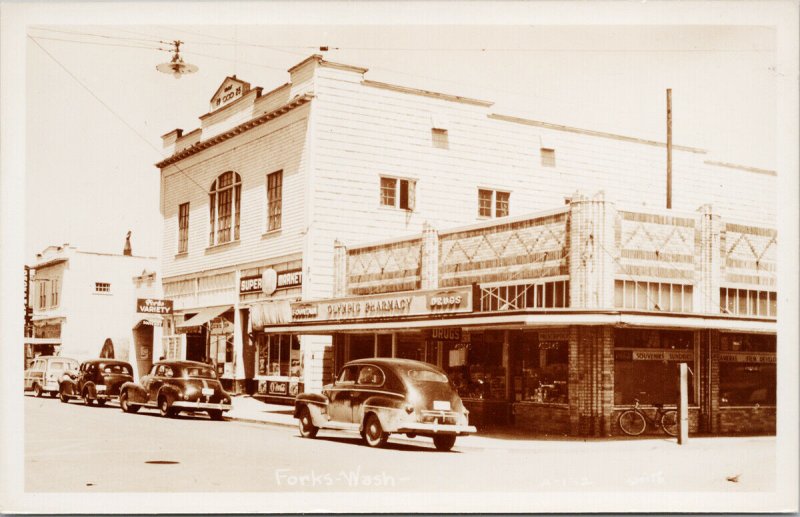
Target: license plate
442, 405
208, 391
100, 388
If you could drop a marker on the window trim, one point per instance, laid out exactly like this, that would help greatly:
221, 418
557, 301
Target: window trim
493, 202
183, 231
279, 202
411, 197
234, 215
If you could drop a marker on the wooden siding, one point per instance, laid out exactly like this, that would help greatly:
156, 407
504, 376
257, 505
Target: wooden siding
277, 145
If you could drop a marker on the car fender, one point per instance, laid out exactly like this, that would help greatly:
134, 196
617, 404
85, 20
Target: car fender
136, 393
317, 406
389, 411
89, 386
173, 393
67, 386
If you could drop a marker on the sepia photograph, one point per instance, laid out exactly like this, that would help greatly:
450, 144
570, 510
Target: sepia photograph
515, 257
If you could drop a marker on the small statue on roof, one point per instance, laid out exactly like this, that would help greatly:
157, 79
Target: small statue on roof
127, 249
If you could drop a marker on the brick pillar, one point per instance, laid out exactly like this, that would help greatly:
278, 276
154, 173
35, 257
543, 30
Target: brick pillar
706, 292
339, 269
429, 265
713, 380
591, 381
592, 252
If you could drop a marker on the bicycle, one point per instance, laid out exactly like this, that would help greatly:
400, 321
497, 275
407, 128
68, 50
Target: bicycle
634, 421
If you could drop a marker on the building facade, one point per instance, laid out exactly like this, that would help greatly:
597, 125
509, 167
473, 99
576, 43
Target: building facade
558, 321
85, 305
254, 199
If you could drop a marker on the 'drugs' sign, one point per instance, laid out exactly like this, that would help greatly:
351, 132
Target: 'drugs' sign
153, 306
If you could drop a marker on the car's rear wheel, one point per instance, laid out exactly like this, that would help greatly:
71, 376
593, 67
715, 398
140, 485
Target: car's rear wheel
86, 398
101, 402
165, 408
53, 394
63, 396
373, 432
444, 442
37, 390
125, 404
214, 414
306, 424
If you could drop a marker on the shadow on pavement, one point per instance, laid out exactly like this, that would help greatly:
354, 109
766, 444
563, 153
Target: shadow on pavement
390, 445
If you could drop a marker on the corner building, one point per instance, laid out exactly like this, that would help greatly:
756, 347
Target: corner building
256, 200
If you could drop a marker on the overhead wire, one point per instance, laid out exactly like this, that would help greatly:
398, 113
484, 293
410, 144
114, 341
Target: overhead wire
111, 110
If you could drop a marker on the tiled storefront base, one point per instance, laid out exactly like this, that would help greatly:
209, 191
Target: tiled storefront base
541, 418
745, 420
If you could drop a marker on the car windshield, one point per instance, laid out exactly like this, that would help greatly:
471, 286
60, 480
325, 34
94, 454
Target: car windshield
200, 372
427, 376
115, 368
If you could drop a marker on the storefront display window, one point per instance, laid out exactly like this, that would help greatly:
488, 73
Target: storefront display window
279, 355
475, 365
540, 362
646, 365
361, 346
747, 370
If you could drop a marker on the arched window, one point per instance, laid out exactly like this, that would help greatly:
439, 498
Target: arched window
224, 212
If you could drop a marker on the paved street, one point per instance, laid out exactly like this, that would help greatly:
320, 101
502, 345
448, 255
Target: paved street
70, 447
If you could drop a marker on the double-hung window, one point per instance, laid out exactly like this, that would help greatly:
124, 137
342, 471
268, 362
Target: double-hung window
224, 208
54, 293
183, 228
493, 203
397, 193
274, 200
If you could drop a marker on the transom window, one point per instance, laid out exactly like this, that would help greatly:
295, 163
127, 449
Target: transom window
542, 295
397, 193
653, 296
183, 228
493, 203
748, 302
224, 208
274, 200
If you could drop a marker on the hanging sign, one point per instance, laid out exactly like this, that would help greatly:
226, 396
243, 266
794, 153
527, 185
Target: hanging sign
153, 306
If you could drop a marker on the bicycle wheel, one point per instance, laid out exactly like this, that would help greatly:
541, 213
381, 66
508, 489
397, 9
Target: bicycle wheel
632, 423
669, 423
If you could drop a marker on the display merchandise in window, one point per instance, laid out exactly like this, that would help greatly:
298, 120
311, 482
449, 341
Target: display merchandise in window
279, 355
540, 367
646, 365
475, 366
747, 370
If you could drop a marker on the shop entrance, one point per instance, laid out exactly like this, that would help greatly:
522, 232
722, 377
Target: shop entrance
196, 346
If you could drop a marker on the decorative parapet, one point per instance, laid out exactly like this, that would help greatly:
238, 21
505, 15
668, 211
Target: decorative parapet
383, 268
748, 255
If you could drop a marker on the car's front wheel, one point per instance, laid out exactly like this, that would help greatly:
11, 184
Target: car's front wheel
165, 408
444, 442
214, 414
86, 398
125, 405
373, 432
307, 427
63, 396
37, 390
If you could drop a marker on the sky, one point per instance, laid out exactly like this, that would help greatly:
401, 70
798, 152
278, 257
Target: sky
96, 106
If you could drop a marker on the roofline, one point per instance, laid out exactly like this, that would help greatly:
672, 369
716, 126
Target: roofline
592, 132
223, 82
241, 128
426, 93
330, 64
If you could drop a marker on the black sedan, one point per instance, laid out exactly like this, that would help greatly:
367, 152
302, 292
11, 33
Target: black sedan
175, 386
96, 380
381, 396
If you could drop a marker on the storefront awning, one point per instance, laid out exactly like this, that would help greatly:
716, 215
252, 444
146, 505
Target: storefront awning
205, 315
550, 319
42, 340
278, 312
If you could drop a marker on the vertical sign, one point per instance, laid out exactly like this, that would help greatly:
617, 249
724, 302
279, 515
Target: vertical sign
28, 309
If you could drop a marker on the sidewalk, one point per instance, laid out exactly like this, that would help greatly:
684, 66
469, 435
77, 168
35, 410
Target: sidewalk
248, 409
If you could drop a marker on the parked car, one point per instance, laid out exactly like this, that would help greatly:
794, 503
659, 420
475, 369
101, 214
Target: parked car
96, 380
46, 372
379, 396
175, 386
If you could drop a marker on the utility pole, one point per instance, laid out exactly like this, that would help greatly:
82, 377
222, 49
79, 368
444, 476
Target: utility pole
669, 147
